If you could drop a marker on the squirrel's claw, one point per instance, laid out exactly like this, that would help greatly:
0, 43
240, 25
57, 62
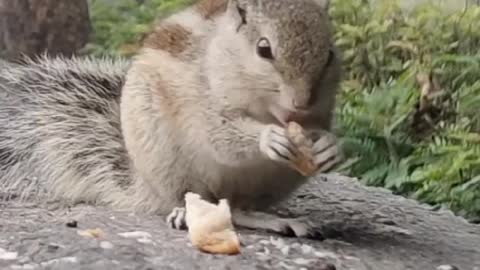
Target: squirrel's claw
326, 153
176, 219
297, 228
275, 144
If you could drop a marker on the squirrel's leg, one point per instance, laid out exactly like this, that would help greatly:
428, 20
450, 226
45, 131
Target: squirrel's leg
248, 139
269, 222
235, 141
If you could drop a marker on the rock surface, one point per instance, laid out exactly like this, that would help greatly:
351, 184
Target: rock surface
371, 229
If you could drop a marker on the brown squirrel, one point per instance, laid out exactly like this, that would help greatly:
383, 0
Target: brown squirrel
201, 108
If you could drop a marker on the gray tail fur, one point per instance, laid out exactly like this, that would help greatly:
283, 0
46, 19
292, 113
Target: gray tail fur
60, 129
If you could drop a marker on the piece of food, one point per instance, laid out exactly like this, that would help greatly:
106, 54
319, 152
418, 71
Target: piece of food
94, 233
305, 162
210, 226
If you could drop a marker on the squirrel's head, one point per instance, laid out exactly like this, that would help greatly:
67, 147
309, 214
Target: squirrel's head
274, 56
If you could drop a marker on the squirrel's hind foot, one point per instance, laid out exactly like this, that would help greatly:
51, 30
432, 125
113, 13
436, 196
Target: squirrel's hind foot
176, 219
291, 227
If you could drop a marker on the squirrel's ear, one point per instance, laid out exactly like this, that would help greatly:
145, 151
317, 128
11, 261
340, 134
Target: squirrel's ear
325, 4
237, 10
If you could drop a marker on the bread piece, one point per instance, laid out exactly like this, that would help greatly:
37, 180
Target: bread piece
305, 162
94, 233
210, 226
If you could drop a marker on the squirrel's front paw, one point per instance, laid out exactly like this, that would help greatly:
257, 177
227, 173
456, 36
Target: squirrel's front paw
326, 152
276, 145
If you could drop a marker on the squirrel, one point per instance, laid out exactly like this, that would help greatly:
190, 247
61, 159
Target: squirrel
202, 107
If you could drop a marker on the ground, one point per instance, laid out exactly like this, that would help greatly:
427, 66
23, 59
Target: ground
369, 229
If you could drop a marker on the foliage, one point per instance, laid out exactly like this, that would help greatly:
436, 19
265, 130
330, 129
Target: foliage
385, 48
431, 154
121, 24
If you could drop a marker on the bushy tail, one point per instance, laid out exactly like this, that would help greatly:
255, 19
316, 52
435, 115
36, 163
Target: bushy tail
60, 129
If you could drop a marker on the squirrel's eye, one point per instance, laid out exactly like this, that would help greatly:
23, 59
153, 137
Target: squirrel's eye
263, 49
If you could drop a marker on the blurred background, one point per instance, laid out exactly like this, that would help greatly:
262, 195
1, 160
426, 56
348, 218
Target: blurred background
408, 113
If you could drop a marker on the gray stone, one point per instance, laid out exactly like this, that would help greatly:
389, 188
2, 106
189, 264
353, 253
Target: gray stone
369, 228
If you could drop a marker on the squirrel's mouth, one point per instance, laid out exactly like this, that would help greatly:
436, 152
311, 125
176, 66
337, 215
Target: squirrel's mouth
283, 115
